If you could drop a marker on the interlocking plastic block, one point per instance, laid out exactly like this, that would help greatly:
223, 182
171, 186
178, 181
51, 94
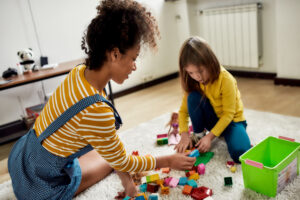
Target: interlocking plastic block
201, 168
201, 193
192, 183
194, 176
233, 169
135, 153
167, 181
162, 141
174, 182
165, 190
227, 181
189, 173
127, 198
204, 158
153, 196
165, 170
152, 178
141, 196
187, 189
165, 135
152, 187
160, 182
194, 153
183, 181
143, 187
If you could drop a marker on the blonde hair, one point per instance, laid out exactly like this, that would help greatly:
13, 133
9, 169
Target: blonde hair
196, 51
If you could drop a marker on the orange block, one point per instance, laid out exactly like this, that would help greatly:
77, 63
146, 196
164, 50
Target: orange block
194, 176
187, 189
165, 170
165, 190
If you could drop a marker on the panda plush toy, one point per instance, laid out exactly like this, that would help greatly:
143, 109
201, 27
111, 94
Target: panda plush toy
27, 62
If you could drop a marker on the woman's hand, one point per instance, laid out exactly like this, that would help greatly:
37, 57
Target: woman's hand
181, 161
204, 143
184, 143
128, 184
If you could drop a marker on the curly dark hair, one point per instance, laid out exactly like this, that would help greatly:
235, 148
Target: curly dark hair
119, 24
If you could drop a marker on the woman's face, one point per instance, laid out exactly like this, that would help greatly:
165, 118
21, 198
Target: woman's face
199, 74
125, 64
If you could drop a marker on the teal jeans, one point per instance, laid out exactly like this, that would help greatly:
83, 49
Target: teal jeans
203, 117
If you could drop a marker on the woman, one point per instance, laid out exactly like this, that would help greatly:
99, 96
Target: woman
73, 143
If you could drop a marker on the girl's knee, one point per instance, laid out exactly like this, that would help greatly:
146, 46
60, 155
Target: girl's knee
194, 98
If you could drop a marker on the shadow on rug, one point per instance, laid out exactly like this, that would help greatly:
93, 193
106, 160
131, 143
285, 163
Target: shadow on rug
143, 139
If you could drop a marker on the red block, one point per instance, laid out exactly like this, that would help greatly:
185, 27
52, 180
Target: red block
201, 193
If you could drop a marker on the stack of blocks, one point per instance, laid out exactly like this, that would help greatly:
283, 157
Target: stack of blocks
162, 139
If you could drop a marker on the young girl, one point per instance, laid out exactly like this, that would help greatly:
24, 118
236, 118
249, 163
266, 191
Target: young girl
73, 143
212, 101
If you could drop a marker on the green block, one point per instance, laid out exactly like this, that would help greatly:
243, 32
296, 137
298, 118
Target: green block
204, 158
162, 141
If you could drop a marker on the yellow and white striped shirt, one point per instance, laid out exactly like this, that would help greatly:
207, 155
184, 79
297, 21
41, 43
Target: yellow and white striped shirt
95, 125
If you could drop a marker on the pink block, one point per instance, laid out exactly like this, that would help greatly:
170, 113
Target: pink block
174, 182
201, 168
162, 135
167, 181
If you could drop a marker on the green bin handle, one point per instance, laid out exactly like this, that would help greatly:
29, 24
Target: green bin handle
254, 164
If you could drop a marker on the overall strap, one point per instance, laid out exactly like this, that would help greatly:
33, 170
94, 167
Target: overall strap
69, 113
118, 120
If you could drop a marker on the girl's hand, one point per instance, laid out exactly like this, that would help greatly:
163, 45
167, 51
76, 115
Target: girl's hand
180, 161
204, 143
184, 143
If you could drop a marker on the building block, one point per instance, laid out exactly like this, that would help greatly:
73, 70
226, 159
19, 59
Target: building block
201, 193
152, 187
230, 164
201, 168
194, 153
160, 182
165, 190
167, 181
227, 181
135, 153
183, 181
127, 198
174, 182
165, 170
153, 196
189, 173
187, 189
194, 176
141, 196
152, 178
204, 158
192, 183
165, 135
162, 141
233, 169
143, 187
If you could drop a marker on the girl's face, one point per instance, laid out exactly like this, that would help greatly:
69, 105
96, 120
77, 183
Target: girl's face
124, 64
199, 74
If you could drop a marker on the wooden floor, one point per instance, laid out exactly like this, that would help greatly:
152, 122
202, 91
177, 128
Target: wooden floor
141, 106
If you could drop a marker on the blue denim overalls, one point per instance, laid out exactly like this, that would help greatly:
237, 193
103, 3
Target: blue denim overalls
39, 174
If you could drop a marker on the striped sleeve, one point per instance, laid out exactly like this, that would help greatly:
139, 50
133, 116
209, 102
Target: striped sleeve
97, 127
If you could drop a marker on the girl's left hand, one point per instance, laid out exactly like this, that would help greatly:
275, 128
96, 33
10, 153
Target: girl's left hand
204, 143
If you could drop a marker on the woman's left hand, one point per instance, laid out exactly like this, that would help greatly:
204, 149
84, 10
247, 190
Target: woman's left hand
204, 143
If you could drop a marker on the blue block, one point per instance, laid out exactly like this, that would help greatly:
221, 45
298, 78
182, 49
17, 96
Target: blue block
143, 187
126, 198
140, 198
192, 183
183, 181
194, 153
153, 197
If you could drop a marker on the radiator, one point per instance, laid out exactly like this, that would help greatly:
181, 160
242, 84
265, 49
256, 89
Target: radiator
233, 34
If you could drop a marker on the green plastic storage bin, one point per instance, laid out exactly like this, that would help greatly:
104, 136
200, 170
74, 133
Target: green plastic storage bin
270, 165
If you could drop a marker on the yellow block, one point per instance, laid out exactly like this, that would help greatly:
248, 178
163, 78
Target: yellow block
194, 176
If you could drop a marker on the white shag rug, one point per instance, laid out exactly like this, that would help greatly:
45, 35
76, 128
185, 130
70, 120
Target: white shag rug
143, 139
